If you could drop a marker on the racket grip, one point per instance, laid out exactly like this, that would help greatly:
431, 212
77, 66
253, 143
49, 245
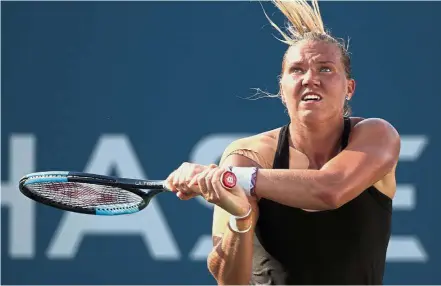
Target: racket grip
244, 176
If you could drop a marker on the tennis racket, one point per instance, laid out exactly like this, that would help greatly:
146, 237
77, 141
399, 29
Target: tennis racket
90, 193
96, 194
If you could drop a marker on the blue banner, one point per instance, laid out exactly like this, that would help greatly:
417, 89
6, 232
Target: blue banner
136, 88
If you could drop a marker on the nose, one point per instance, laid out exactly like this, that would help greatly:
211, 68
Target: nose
310, 78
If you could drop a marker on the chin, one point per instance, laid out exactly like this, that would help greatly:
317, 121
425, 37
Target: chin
310, 115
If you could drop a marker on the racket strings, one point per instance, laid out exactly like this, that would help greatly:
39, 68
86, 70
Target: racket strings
83, 195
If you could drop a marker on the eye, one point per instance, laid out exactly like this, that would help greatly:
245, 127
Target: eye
325, 69
296, 70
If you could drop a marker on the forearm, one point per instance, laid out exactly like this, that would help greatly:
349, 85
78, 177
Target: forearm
230, 261
306, 189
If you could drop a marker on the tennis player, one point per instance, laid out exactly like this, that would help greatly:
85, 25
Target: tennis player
310, 202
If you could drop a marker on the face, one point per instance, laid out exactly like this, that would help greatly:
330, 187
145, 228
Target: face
313, 82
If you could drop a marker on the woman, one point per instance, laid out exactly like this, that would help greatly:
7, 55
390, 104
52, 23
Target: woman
313, 199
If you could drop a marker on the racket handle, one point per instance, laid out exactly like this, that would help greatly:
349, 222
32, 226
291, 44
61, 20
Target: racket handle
228, 180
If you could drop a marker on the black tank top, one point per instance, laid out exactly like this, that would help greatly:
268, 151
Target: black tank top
342, 246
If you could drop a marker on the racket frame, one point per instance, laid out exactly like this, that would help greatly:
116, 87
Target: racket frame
146, 189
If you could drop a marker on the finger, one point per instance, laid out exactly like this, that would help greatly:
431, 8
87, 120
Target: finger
217, 177
169, 181
186, 197
196, 169
212, 195
194, 179
178, 176
200, 181
182, 186
176, 179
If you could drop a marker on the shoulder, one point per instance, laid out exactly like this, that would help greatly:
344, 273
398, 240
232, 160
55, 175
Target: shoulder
373, 123
380, 141
260, 147
377, 129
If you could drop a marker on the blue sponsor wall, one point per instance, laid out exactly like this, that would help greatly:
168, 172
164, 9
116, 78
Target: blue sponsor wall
134, 89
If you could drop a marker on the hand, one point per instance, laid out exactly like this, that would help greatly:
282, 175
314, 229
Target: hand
208, 182
178, 181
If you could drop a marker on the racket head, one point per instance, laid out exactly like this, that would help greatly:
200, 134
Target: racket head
84, 193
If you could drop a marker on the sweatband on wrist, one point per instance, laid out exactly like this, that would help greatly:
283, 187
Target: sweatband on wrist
246, 178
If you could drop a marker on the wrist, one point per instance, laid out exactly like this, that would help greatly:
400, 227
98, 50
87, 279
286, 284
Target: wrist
241, 224
246, 178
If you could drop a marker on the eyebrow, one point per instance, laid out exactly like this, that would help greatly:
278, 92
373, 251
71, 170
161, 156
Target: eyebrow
319, 62
326, 62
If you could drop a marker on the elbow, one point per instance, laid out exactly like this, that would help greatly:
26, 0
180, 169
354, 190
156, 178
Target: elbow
329, 192
213, 265
331, 200
221, 274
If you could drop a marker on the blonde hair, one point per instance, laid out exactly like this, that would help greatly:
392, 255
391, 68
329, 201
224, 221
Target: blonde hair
305, 23
303, 19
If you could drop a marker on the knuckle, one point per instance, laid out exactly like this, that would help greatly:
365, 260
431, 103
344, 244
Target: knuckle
212, 199
219, 173
215, 199
194, 171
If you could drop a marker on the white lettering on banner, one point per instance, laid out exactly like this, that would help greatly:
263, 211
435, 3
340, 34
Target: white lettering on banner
21, 209
407, 248
402, 248
116, 152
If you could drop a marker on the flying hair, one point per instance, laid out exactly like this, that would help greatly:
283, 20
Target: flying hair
305, 23
303, 19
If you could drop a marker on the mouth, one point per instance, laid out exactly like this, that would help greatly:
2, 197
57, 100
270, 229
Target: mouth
311, 97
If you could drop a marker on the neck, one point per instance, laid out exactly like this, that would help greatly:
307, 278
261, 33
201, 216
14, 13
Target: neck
319, 141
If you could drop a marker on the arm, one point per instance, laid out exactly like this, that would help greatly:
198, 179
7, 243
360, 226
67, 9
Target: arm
230, 261
372, 152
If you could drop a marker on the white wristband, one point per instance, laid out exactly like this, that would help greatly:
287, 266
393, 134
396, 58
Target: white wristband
233, 222
246, 178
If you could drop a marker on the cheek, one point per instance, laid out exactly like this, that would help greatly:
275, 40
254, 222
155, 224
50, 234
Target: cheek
338, 86
289, 85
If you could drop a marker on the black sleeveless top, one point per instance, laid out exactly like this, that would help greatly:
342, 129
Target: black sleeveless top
342, 246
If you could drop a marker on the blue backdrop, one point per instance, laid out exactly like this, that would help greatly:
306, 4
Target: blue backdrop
134, 89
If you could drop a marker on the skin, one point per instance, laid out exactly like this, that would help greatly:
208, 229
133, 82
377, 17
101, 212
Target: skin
321, 176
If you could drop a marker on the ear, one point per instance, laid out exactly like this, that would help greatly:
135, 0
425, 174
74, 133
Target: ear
350, 89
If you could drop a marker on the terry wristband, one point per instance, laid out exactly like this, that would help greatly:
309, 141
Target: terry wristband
244, 176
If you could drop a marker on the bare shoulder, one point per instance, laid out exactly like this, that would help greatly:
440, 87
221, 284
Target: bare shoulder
374, 125
376, 132
383, 135
260, 147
